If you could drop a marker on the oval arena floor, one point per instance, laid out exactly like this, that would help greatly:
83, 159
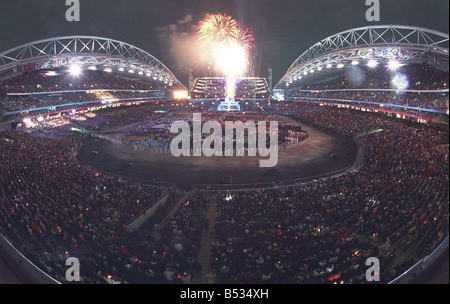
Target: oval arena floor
311, 158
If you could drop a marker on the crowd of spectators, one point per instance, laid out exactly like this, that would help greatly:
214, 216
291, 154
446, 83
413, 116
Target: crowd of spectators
379, 87
30, 102
395, 208
416, 76
155, 132
39, 81
433, 101
52, 208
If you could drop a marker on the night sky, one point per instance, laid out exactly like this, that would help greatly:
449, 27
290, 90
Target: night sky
283, 29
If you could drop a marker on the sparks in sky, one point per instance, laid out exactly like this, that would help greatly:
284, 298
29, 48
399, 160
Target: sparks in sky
217, 28
229, 45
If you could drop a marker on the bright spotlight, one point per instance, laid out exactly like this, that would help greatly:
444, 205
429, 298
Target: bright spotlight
108, 70
75, 70
329, 66
340, 65
121, 69
355, 62
400, 82
131, 71
372, 63
92, 68
394, 65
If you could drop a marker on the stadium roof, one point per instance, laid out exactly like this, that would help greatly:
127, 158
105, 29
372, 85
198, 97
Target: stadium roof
404, 43
108, 54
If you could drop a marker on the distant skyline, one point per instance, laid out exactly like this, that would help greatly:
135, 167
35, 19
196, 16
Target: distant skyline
283, 29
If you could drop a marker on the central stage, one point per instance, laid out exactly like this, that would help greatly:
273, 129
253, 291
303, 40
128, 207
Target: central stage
320, 154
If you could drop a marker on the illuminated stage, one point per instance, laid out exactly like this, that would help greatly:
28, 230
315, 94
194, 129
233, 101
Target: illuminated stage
229, 105
230, 90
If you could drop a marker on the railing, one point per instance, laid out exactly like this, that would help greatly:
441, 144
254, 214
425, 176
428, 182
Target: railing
416, 272
25, 267
94, 103
352, 101
175, 209
140, 219
80, 91
235, 187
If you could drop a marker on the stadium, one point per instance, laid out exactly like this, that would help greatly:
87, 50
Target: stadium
87, 169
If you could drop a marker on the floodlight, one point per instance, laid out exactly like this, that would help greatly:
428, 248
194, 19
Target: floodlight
372, 63
75, 70
394, 65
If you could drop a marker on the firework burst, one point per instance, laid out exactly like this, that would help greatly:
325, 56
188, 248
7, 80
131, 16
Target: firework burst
217, 28
245, 38
229, 45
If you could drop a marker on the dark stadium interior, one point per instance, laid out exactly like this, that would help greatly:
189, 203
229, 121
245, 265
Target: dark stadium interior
89, 172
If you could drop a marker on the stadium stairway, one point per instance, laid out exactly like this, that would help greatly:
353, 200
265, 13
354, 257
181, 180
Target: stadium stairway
205, 255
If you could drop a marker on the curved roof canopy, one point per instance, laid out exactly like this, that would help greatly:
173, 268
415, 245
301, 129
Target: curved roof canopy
405, 43
109, 54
